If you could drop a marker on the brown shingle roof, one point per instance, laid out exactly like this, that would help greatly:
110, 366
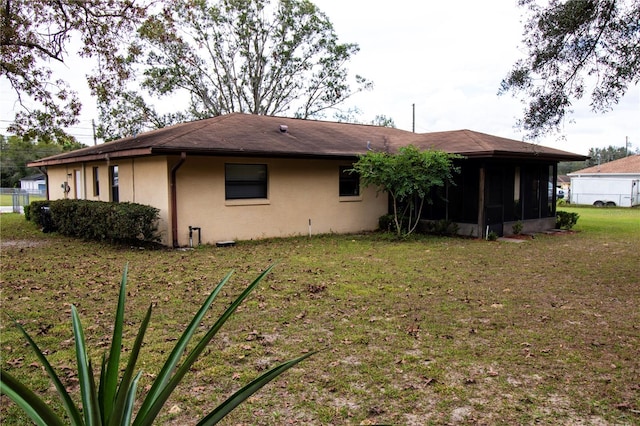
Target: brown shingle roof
260, 135
476, 144
630, 164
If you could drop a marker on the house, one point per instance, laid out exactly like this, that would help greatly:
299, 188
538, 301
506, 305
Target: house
616, 183
242, 176
34, 184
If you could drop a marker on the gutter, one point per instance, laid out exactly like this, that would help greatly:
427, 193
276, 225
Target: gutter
174, 200
43, 170
100, 156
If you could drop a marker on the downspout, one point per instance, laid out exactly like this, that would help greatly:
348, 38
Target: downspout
481, 213
174, 200
43, 170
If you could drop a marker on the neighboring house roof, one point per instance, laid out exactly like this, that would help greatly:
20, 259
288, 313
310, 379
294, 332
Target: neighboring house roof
240, 134
627, 165
564, 179
36, 177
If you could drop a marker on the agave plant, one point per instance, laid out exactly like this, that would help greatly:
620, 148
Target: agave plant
111, 402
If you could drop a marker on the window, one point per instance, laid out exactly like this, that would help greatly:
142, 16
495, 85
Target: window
96, 182
349, 182
244, 181
113, 177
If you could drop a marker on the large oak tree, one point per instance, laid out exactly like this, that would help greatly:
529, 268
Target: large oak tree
574, 47
36, 33
254, 56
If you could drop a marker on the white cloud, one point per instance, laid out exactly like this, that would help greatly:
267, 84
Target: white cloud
448, 59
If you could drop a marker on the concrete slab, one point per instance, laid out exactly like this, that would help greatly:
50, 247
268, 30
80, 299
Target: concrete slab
511, 240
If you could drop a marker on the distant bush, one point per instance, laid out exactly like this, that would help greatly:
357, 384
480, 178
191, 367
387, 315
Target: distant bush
440, 227
517, 228
97, 220
566, 220
386, 223
27, 212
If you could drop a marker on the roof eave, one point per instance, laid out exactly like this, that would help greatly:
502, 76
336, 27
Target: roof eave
92, 157
544, 156
606, 174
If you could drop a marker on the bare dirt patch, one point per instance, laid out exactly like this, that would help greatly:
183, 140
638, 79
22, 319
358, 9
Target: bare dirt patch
21, 244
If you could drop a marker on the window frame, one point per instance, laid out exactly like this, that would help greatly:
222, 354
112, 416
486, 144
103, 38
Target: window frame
348, 183
114, 183
242, 186
96, 181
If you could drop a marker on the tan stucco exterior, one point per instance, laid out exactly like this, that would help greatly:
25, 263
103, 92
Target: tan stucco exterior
299, 191
303, 196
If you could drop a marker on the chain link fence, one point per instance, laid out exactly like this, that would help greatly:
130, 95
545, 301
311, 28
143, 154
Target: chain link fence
13, 200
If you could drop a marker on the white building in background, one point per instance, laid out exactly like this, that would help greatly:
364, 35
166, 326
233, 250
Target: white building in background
34, 184
616, 183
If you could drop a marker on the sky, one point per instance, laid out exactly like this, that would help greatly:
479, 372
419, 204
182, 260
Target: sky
445, 60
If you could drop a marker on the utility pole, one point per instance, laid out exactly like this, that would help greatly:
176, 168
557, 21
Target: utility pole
93, 125
414, 117
626, 146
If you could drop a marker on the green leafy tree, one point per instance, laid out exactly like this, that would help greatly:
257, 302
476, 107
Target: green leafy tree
604, 155
16, 152
128, 114
352, 115
252, 56
408, 178
575, 46
36, 33
384, 121
596, 156
566, 167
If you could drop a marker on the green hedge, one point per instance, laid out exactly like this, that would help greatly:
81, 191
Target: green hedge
566, 220
32, 211
97, 220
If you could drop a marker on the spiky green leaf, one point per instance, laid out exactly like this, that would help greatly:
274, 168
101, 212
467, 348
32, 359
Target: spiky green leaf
162, 397
245, 392
110, 385
127, 409
30, 403
72, 410
169, 366
124, 390
85, 374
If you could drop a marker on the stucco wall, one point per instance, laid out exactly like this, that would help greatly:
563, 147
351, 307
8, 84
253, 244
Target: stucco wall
57, 176
141, 180
150, 178
298, 191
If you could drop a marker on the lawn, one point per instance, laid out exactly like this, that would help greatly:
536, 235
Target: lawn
425, 331
7, 199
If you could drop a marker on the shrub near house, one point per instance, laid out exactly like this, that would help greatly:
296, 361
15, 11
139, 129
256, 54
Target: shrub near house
566, 220
97, 220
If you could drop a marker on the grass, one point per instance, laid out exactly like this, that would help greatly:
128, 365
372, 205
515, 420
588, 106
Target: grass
7, 199
425, 331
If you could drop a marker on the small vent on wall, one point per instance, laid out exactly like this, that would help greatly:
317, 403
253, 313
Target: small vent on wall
284, 128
